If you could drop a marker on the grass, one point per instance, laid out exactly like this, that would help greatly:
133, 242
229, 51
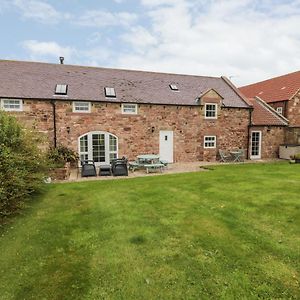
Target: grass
230, 233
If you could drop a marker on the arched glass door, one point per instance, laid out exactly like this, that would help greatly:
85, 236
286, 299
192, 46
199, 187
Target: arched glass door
99, 146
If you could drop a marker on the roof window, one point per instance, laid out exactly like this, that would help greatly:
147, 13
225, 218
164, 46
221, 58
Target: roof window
61, 89
110, 92
173, 87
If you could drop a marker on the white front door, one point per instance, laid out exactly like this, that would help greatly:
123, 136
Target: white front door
99, 146
166, 145
255, 150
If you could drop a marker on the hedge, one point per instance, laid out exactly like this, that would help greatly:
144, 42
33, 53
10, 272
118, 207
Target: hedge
22, 164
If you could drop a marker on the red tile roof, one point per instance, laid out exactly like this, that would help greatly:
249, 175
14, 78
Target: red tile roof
275, 89
32, 80
263, 114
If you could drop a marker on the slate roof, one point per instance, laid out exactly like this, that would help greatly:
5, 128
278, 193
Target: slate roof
263, 114
33, 80
276, 89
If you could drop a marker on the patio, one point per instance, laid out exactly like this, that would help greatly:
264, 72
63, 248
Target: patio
197, 166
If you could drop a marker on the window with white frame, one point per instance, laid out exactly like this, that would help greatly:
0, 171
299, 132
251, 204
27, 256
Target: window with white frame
279, 110
210, 111
210, 141
110, 92
129, 108
12, 104
81, 106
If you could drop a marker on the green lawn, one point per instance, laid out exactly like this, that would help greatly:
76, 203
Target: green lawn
229, 233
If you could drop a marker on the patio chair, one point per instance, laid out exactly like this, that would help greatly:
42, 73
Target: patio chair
119, 167
88, 168
224, 157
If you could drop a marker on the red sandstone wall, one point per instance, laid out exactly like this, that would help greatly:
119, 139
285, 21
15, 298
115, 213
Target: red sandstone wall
294, 110
135, 131
272, 138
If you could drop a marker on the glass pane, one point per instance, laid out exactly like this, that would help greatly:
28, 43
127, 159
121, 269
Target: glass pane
98, 144
84, 144
112, 143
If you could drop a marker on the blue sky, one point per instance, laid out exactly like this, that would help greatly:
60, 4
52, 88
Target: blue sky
245, 40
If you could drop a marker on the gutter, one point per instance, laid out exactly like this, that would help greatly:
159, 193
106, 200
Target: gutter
54, 123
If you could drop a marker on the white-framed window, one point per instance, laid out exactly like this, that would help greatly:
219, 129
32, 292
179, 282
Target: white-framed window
210, 110
81, 106
210, 141
129, 108
279, 110
12, 104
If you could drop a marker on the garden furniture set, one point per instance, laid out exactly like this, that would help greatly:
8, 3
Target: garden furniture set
232, 156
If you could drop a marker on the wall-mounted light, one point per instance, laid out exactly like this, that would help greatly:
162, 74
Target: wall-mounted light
152, 129
68, 129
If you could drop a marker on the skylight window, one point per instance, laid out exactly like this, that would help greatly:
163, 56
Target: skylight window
61, 89
110, 92
173, 87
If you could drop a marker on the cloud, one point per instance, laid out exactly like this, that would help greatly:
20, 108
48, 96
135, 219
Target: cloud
43, 50
248, 40
101, 18
39, 11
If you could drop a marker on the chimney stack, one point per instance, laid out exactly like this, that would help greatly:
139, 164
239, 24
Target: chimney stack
61, 60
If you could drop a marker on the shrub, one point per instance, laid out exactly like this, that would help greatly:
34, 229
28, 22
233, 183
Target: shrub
22, 164
60, 155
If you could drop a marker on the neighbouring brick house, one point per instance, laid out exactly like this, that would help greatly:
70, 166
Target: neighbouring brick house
104, 113
283, 94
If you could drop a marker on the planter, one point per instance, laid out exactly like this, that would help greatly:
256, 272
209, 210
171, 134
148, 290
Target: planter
61, 173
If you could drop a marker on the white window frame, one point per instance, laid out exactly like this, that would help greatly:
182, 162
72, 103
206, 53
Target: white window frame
216, 111
61, 89
12, 109
89, 153
214, 141
81, 111
279, 110
110, 92
134, 105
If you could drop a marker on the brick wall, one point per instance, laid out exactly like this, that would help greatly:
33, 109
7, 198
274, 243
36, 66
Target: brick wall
282, 104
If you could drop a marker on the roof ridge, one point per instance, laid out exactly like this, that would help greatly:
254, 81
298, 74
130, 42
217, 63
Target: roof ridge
271, 110
269, 79
109, 68
235, 89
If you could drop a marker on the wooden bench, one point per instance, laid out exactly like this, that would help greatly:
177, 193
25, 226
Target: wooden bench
154, 167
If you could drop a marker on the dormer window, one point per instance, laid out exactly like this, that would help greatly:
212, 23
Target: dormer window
110, 92
61, 89
210, 110
173, 87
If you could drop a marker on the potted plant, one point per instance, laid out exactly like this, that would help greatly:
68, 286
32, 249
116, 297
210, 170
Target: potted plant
60, 159
297, 158
292, 159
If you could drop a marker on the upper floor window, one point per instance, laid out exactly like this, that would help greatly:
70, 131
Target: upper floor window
210, 141
11, 104
110, 92
129, 108
61, 89
210, 111
279, 110
81, 107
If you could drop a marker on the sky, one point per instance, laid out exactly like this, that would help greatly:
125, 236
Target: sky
245, 40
